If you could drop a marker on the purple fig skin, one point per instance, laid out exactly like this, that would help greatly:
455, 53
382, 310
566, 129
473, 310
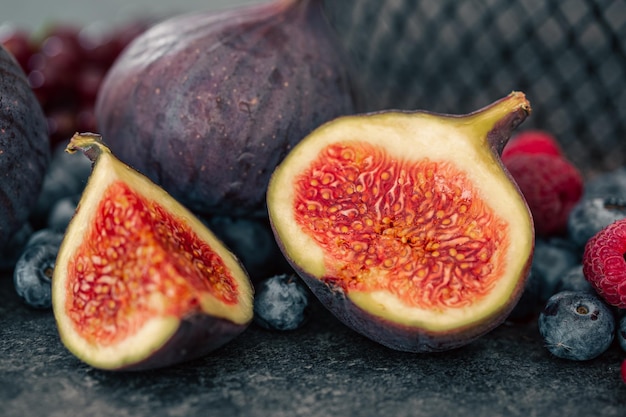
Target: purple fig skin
499, 136
197, 336
24, 147
207, 104
398, 337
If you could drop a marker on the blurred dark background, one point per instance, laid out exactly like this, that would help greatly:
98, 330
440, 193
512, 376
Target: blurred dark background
568, 56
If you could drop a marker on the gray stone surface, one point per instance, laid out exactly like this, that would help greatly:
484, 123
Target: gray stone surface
323, 369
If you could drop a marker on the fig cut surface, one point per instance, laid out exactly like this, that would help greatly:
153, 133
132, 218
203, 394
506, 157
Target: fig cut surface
406, 225
140, 282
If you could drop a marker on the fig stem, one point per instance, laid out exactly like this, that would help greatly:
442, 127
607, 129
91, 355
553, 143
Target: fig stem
90, 144
497, 121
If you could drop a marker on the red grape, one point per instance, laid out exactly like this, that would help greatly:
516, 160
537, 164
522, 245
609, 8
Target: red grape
17, 42
66, 67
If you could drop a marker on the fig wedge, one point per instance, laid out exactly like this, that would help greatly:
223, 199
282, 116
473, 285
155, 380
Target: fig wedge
139, 281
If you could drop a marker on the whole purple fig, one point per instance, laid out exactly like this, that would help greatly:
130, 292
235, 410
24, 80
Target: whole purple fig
24, 147
207, 104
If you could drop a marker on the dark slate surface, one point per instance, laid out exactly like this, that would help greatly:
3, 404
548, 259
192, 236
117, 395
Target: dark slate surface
324, 369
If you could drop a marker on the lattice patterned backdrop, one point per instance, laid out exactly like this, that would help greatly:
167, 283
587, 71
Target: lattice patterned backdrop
568, 56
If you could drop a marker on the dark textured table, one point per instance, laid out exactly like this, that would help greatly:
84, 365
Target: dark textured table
323, 369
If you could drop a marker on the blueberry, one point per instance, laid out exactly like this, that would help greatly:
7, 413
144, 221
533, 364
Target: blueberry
574, 280
66, 176
550, 261
62, 212
253, 242
530, 301
282, 302
14, 247
591, 215
607, 184
621, 332
45, 237
577, 325
32, 276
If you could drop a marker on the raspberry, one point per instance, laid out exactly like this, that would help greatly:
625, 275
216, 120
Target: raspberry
604, 265
532, 142
551, 186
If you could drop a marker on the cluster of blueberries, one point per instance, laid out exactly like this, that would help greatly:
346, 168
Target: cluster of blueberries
32, 251
574, 321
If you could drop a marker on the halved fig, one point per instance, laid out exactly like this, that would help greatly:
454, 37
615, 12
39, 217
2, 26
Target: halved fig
406, 225
139, 281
